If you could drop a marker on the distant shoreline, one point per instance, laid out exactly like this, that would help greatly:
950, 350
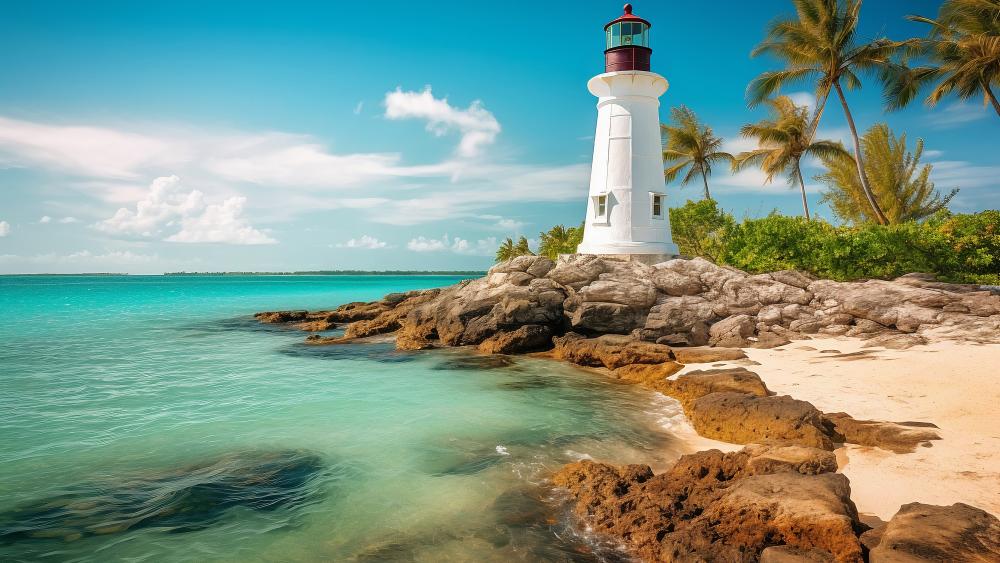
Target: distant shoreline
304, 273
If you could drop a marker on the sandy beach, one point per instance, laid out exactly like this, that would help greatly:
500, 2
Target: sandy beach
951, 385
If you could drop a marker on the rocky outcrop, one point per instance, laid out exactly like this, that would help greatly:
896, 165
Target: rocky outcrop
899, 437
675, 303
741, 418
694, 385
527, 338
720, 507
921, 532
610, 351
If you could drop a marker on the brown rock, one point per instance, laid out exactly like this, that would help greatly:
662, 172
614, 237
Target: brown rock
712, 506
898, 437
707, 355
788, 554
390, 320
696, 384
921, 532
741, 419
648, 375
277, 317
527, 338
610, 351
895, 341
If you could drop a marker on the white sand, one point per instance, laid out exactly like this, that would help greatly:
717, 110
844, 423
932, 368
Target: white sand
955, 386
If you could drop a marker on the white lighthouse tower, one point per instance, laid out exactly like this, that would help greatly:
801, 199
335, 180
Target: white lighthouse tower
627, 208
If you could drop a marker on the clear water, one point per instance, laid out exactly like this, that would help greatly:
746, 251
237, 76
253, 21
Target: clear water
118, 388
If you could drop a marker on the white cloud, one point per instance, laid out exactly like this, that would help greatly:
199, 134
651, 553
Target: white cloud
220, 223
477, 125
933, 153
359, 108
68, 220
365, 241
957, 114
947, 174
45, 219
168, 208
806, 99
458, 245
4, 228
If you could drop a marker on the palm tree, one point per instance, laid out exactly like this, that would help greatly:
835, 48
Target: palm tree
900, 182
783, 140
820, 45
963, 48
506, 250
691, 145
553, 242
522, 249
509, 249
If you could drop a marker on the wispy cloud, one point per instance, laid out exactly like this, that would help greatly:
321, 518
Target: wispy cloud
4, 228
364, 241
957, 114
458, 245
477, 126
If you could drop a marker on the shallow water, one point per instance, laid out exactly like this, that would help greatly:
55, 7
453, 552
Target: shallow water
151, 419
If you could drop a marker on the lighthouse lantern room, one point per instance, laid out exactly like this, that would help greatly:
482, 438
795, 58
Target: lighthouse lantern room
627, 210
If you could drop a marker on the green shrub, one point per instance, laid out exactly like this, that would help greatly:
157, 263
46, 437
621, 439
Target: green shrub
958, 248
697, 228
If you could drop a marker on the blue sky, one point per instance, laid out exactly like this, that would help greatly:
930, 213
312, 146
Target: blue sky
164, 136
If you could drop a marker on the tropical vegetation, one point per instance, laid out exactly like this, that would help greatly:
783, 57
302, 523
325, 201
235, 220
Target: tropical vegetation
899, 181
691, 148
783, 140
961, 55
820, 45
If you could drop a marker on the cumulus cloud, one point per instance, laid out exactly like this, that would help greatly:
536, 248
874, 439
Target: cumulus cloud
364, 241
458, 245
4, 228
68, 220
45, 219
167, 208
477, 126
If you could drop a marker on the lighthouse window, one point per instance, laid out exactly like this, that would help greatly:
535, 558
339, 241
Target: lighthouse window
657, 206
616, 35
627, 33
602, 205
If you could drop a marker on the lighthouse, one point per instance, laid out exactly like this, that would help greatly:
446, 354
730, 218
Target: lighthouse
627, 205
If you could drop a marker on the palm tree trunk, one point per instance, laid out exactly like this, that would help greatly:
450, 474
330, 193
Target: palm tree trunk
818, 113
802, 187
858, 159
704, 178
993, 99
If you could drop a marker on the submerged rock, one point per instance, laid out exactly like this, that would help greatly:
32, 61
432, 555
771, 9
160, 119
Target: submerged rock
527, 338
182, 500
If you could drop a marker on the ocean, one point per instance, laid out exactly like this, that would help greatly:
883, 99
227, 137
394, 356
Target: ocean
150, 418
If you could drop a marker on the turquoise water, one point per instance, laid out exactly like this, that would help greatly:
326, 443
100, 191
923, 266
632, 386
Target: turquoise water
151, 419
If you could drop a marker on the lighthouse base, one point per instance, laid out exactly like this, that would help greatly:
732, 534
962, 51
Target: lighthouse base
648, 259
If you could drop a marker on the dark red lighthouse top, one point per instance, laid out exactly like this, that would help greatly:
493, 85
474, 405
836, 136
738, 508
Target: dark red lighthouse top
627, 40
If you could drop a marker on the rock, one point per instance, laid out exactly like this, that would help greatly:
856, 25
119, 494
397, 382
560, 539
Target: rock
770, 339
712, 506
391, 320
706, 355
316, 326
647, 375
675, 283
409, 341
895, 341
177, 500
696, 384
636, 293
357, 311
686, 317
921, 532
741, 419
276, 317
787, 554
731, 332
898, 437
764, 459
595, 317
527, 338
794, 278
610, 351
579, 272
